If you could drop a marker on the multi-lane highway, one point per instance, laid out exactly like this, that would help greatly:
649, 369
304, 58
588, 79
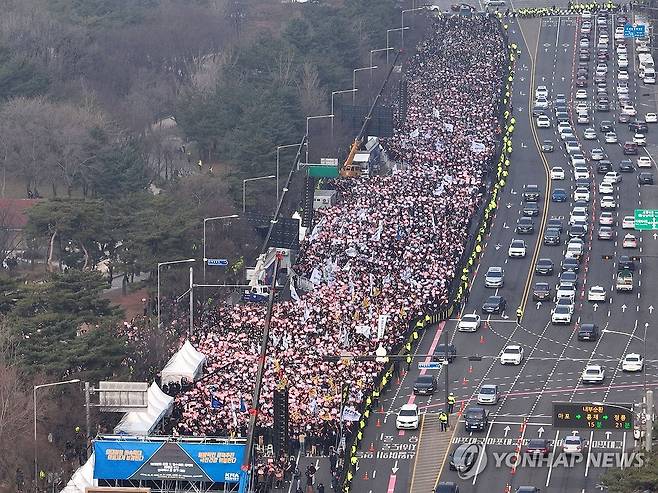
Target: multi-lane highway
554, 357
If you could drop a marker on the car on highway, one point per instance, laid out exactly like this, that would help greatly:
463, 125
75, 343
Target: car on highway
408, 417
557, 173
606, 219
651, 118
581, 94
555, 223
605, 233
488, 394
566, 290
593, 374
440, 352
630, 148
583, 118
425, 385
525, 226
544, 267
632, 362
608, 202
530, 209
517, 249
541, 291
603, 166
597, 293
606, 188
447, 486
495, 277
469, 323
578, 230
640, 139
552, 237
574, 249
511, 355
644, 162
630, 241
645, 179
581, 172
588, 332
628, 222
623, 75
626, 166
625, 262
539, 447
572, 146
597, 154
566, 302
559, 195
606, 126
578, 215
527, 489
541, 103
573, 444
611, 138
581, 194
494, 304
570, 264
613, 177
569, 276
547, 146
475, 419
578, 159
541, 92
561, 315
531, 193
543, 121
638, 126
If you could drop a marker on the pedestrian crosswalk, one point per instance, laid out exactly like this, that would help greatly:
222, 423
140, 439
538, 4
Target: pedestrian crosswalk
431, 452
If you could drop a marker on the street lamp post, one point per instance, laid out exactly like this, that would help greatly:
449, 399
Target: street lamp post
408, 10
160, 264
333, 93
387, 42
278, 148
206, 220
244, 188
377, 51
34, 395
354, 80
313, 118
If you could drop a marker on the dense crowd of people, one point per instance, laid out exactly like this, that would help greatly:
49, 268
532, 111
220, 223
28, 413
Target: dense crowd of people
384, 255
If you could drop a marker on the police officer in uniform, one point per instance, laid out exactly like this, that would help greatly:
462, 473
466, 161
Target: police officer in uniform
451, 402
443, 419
519, 314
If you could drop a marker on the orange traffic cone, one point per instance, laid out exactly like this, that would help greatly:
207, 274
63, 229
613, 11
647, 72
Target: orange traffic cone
470, 368
372, 447
378, 424
381, 408
481, 339
464, 382
365, 476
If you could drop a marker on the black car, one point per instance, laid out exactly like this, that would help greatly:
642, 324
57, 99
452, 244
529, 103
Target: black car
541, 291
494, 304
425, 384
446, 487
531, 193
440, 353
530, 209
539, 446
603, 105
552, 237
630, 148
603, 167
606, 126
623, 118
475, 418
544, 267
577, 231
645, 178
588, 332
547, 146
626, 166
555, 223
527, 489
525, 226
571, 264
581, 81
570, 277
639, 126
561, 116
625, 262
464, 457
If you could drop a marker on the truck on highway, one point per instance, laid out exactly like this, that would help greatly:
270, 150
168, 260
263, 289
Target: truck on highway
624, 281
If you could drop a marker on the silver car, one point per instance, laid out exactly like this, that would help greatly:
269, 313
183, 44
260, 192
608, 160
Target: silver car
495, 277
488, 394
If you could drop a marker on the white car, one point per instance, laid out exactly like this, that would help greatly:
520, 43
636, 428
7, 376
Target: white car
622, 63
557, 173
640, 139
541, 92
581, 193
581, 108
517, 249
581, 94
596, 154
581, 173
630, 241
608, 202
408, 417
613, 177
611, 138
543, 122
597, 293
564, 291
573, 444
629, 110
606, 219
583, 119
589, 134
628, 222
632, 362
512, 355
606, 188
644, 162
593, 374
541, 103
578, 215
622, 87
622, 75
469, 323
561, 315
651, 118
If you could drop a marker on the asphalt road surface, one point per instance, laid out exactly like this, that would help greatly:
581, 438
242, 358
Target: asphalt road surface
554, 357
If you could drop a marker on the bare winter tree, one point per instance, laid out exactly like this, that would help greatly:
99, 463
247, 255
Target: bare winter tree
311, 94
9, 235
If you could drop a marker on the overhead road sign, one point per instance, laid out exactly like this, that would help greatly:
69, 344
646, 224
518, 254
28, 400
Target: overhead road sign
592, 416
217, 261
646, 219
635, 30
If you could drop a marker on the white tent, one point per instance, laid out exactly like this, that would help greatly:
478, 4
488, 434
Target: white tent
143, 423
82, 478
187, 363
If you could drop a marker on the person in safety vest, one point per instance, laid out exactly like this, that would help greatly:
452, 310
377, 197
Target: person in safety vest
443, 419
451, 402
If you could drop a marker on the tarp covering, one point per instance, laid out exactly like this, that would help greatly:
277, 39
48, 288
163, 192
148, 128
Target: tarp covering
142, 423
82, 478
187, 363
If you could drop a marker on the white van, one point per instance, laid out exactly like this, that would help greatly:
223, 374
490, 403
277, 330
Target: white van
649, 76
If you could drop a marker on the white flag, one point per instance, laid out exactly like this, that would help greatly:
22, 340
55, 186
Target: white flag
351, 414
316, 276
363, 330
415, 134
477, 147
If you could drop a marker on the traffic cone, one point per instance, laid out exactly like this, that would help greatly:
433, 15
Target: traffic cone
470, 368
365, 476
481, 339
372, 447
378, 424
397, 380
464, 382
381, 408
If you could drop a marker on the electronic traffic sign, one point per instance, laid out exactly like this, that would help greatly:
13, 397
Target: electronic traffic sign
592, 416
